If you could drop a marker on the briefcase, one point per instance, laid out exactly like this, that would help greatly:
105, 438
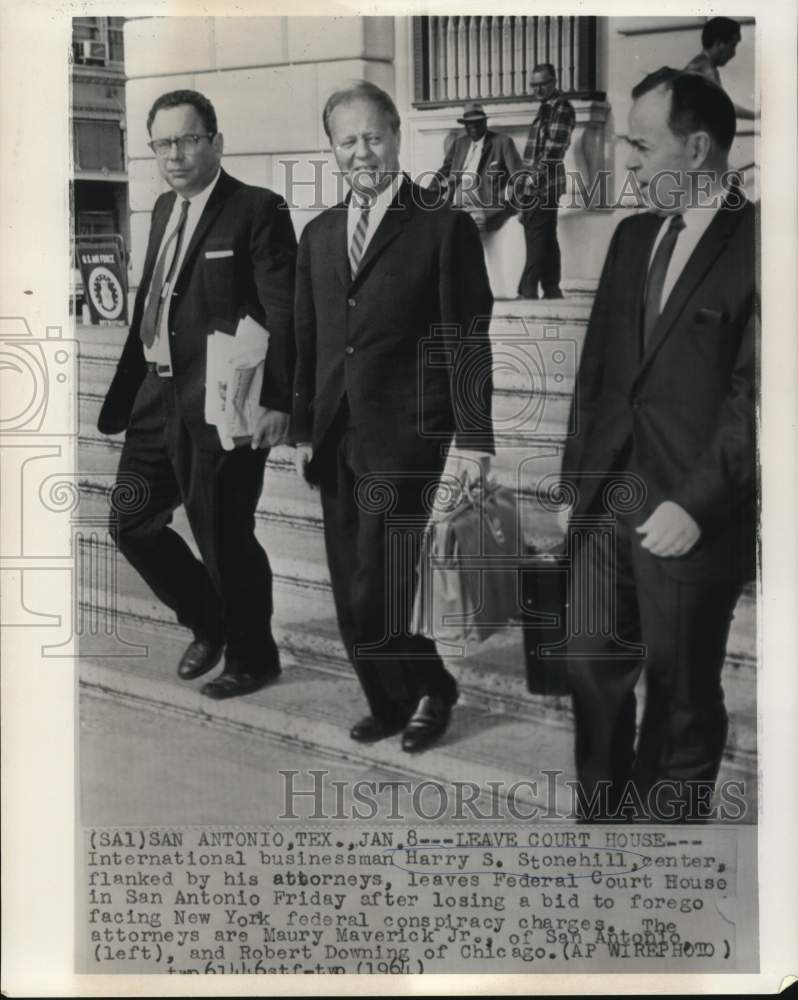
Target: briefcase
468, 568
544, 592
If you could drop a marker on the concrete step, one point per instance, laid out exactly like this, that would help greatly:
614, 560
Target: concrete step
498, 731
493, 668
537, 345
524, 460
535, 349
289, 523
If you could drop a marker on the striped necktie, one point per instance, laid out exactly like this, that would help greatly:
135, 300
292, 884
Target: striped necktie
161, 279
656, 277
359, 237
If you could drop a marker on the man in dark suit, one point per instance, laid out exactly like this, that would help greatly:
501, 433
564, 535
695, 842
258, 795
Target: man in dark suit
393, 358
477, 169
664, 409
218, 251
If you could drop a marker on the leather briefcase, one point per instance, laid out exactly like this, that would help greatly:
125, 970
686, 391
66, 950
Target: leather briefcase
468, 568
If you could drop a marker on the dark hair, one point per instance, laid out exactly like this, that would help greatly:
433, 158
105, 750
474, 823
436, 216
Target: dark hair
175, 98
697, 104
548, 67
719, 29
361, 90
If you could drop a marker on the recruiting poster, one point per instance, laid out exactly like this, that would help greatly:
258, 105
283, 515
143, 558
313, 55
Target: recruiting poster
474, 660
104, 280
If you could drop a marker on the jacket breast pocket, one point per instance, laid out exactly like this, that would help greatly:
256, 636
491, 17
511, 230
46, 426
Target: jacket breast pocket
220, 279
710, 318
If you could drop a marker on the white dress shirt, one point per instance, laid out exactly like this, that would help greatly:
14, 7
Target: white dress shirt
377, 213
474, 155
696, 222
159, 349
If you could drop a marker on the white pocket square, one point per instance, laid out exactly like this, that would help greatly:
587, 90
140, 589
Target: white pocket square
216, 254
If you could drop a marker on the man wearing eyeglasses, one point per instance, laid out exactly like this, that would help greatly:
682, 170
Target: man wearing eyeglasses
544, 182
218, 251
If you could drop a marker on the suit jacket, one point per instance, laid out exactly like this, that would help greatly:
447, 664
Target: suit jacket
500, 160
406, 340
684, 407
252, 227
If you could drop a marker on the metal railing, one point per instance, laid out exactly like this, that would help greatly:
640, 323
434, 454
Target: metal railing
491, 58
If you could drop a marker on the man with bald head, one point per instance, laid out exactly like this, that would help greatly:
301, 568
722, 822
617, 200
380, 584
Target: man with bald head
665, 405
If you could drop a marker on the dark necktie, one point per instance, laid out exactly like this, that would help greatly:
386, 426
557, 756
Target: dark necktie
359, 237
656, 277
161, 279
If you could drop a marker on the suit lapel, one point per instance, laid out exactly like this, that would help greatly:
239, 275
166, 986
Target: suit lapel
460, 153
389, 228
487, 151
700, 261
338, 249
224, 186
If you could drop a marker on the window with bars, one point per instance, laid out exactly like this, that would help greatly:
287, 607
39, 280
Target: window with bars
491, 58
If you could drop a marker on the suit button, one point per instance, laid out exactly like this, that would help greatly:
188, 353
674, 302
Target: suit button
351, 302
350, 350
635, 404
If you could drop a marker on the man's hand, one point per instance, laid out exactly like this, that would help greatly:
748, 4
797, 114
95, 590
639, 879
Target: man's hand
271, 429
302, 455
472, 469
670, 531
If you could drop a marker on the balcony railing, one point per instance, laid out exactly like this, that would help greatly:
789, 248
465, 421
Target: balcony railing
491, 58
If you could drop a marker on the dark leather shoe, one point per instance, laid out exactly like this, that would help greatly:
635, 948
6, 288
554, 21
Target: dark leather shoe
555, 293
231, 684
201, 656
370, 730
429, 721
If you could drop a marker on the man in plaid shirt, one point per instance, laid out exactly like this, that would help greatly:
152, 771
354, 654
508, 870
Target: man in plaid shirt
544, 182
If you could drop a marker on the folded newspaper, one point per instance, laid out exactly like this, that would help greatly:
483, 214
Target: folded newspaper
234, 377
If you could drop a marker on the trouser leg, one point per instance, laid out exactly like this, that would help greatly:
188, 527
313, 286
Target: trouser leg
373, 565
142, 531
220, 491
551, 266
604, 664
542, 264
685, 625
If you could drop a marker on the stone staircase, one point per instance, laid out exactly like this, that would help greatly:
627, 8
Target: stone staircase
499, 731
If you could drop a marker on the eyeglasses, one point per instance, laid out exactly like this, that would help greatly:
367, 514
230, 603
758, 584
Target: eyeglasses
184, 143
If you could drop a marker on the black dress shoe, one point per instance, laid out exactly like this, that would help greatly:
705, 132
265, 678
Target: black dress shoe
232, 683
429, 721
554, 294
371, 729
201, 656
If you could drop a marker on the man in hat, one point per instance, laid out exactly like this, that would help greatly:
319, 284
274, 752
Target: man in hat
549, 138
477, 168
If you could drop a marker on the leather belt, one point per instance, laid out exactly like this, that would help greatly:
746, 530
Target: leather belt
162, 371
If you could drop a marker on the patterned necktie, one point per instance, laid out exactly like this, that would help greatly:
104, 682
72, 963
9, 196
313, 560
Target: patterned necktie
151, 319
656, 277
359, 237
